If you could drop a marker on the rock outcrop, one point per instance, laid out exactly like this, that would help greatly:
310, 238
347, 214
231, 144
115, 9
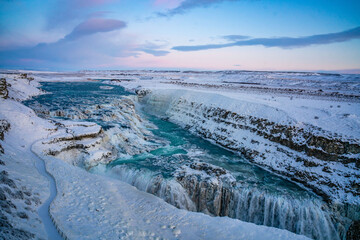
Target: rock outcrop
11, 193
354, 231
3, 88
208, 186
79, 143
4, 127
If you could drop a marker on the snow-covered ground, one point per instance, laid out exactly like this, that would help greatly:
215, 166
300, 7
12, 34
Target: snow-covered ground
88, 206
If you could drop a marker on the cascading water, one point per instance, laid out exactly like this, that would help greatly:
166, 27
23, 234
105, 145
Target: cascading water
304, 217
167, 189
188, 172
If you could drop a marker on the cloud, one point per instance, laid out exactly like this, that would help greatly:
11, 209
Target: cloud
235, 37
154, 49
156, 53
283, 42
187, 5
87, 52
64, 12
81, 47
95, 25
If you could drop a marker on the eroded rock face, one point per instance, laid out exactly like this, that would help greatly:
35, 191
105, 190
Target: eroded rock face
208, 186
3, 88
354, 231
4, 127
309, 146
311, 140
79, 143
142, 92
16, 202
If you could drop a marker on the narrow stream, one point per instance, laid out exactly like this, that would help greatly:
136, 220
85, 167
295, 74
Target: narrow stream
189, 172
44, 209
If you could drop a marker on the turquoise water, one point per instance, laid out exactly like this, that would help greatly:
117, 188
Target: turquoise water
184, 148
76, 95
258, 195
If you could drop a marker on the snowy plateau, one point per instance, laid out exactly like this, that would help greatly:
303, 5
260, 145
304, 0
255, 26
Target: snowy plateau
179, 155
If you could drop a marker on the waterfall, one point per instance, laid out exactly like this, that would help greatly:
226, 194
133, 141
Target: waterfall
309, 216
169, 190
306, 217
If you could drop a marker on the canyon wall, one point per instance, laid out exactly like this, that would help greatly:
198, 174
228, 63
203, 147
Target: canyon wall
326, 161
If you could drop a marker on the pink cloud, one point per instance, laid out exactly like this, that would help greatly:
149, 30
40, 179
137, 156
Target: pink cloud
95, 25
71, 11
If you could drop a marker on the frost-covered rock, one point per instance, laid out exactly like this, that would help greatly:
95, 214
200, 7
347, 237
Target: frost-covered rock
3, 88
208, 186
142, 92
4, 127
79, 143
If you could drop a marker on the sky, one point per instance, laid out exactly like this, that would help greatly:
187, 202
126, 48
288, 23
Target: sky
280, 35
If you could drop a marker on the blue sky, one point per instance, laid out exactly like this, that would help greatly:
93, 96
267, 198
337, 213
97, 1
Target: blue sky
180, 34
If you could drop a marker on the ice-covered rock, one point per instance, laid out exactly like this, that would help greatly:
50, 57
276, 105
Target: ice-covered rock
3, 88
79, 143
208, 186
